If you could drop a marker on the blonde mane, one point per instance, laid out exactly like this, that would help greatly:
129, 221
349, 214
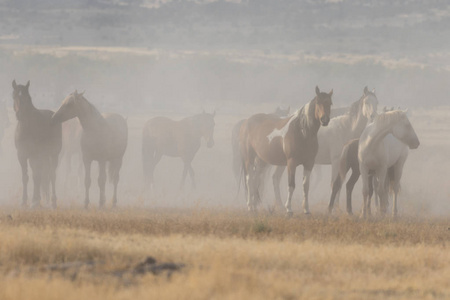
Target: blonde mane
389, 117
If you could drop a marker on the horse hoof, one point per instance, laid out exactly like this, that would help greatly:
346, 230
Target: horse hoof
307, 212
289, 214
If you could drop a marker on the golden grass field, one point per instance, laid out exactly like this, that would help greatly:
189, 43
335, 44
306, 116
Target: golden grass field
227, 255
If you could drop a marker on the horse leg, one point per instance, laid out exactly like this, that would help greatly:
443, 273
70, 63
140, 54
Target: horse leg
365, 191
24, 166
381, 176
276, 179
349, 188
52, 169
335, 174
306, 179
183, 176
334, 191
291, 186
192, 176
36, 168
398, 171
115, 166
102, 182
87, 180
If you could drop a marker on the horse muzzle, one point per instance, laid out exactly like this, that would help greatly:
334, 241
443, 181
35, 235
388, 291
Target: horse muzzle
414, 145
324, 120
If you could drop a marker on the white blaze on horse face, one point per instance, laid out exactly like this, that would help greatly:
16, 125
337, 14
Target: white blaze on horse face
283, 130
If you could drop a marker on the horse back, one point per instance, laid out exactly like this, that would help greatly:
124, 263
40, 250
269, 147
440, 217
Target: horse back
172, 138
263, 134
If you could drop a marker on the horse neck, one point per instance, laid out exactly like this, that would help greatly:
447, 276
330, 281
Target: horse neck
358, 122
90, 118
26, 111
379, 132
307, 119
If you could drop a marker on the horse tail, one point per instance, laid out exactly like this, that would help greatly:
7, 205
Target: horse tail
391, 179
343, 163
237, 159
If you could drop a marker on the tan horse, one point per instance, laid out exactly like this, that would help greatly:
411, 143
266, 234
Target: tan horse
38, 142
237, 160
163, 136
104, 139
287, 142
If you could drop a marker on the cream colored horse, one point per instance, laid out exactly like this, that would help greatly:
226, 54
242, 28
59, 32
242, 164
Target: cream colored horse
375, 157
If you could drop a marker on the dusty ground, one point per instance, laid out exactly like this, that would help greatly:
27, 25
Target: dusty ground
74, 254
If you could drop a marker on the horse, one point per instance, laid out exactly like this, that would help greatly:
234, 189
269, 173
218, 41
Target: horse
287, 142
38, 142
237, 160
377, 156
104, 139
339, 131
163, 136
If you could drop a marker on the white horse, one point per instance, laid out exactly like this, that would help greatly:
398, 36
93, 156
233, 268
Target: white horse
339, 131
376, 155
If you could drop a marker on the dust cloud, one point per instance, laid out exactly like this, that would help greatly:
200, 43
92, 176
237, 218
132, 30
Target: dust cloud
178, 58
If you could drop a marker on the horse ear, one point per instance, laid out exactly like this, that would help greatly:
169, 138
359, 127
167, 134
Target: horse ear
366, 90
28, 85
373, 91
317, 90
14, 84
331, 93
82, 93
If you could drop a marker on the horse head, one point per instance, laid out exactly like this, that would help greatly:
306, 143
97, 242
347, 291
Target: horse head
68, 108
280, 112
404, 131
21, 95
323, 106
206, 126
369, 104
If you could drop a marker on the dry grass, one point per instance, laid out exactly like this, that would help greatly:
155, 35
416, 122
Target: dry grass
227, 255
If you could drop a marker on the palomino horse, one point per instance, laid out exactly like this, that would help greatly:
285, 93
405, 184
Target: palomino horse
104, 139
376, 155
339, 131
237, 160
38, 142
287, 142
163, 136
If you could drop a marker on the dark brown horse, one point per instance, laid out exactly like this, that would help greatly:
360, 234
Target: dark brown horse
104, 138
38, 141
287, 142
163, 136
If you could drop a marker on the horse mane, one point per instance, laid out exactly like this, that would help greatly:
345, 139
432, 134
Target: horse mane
389, 117
92, 109
355, 106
